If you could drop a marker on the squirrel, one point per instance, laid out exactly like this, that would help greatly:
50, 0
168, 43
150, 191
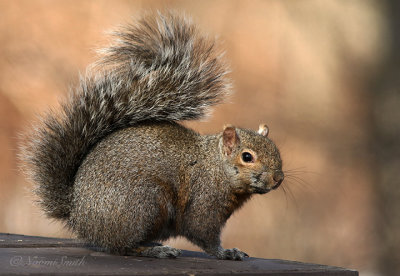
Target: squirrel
121, 171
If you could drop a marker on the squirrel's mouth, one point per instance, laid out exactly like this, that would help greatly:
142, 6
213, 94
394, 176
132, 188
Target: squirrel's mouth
264, 182
260, 190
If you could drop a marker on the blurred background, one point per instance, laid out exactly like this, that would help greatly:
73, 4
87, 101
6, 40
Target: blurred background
324, 75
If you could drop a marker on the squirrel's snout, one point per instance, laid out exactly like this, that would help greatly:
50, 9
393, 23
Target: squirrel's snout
270, 181
278, 178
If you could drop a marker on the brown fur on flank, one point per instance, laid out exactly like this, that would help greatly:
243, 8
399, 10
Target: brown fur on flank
119, 170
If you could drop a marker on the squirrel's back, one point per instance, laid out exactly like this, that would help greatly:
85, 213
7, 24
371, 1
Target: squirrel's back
159, 69
154, 149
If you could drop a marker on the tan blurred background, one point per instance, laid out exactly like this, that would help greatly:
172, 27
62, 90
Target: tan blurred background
324, 75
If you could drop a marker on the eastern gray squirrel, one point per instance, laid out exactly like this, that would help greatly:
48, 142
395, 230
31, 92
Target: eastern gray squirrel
121, 172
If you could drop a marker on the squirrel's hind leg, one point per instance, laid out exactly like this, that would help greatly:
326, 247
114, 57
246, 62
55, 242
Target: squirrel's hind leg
158, 251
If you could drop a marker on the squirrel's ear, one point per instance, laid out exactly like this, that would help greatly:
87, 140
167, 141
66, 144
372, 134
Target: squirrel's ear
230, 139
263, 130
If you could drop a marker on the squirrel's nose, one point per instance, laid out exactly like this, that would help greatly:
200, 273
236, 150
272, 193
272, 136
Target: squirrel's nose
278, 178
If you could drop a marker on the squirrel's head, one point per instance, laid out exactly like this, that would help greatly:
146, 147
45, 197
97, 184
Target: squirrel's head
251, 159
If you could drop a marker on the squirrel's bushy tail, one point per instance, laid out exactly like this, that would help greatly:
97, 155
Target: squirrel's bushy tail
157, 69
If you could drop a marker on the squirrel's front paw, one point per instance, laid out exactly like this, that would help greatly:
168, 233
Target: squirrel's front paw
233, 254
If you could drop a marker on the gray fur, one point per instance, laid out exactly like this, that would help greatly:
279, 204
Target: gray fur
163, 251
158, 69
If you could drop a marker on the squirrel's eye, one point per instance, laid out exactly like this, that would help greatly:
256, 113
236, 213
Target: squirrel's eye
247, 157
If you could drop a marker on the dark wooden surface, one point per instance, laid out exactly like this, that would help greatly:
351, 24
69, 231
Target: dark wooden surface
27, 255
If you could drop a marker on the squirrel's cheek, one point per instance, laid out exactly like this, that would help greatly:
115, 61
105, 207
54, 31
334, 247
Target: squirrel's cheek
247, 177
